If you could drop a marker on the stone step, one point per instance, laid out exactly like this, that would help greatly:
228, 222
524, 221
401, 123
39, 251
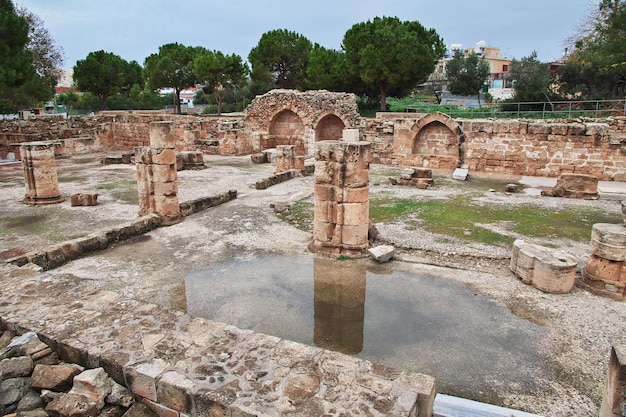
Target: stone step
449, 406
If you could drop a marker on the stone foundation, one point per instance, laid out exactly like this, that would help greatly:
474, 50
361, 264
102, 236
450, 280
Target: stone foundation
415, 177
288, 159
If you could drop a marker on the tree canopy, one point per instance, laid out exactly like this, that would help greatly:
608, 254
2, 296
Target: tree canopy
467, 74
105, 74
326, 69
219, 73
531, 79
16, 61
389, 55
172, 67
281, 57
596, 68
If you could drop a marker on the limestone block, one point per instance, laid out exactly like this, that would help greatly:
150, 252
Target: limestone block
169, 188
17, 367
162, 135
614, 399
574, 186
258, 158
460, 174
54, 377
407, 174
174, 391
624, 209
355, 214
547, 269
93, 384
72, 405
164, 173
355, 195
193, 160
141, 378
382, 253
350, 135
423, 173
608, 241
84, 199
555, 272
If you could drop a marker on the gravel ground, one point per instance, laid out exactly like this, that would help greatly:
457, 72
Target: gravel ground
152, 267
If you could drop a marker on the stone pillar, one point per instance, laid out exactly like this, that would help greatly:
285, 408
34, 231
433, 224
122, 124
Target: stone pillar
157, 184
339, 303
350, 135
40, 173
341, 216
287, 159
614, 398
605, 270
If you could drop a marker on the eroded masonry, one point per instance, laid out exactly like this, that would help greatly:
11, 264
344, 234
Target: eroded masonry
263, 375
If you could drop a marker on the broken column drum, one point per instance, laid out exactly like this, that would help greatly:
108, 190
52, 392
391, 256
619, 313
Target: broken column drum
157, 184
40, 173
341, 198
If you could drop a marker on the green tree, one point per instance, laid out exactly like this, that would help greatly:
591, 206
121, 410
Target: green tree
326, 69
172, 67
104, 74
596, 68
390, 55
281, 57
16, 61
531, 79
219, 74
467, 74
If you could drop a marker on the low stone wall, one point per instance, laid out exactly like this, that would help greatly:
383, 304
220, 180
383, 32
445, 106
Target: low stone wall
506, 146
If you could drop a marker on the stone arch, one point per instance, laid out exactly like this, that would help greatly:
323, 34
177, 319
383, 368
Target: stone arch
264, 117
286, 128
329, 127
438, 136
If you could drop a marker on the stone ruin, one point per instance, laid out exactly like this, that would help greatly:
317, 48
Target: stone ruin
421, 178
341, 218
605, 270
574, 186
549, 270
40, 173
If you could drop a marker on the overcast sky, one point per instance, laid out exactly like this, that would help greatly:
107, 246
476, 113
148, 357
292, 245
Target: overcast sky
134, 29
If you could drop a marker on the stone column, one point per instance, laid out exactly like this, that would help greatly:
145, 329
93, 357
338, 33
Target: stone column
157, 184
614, 398
341, 216
40, 173
286, 159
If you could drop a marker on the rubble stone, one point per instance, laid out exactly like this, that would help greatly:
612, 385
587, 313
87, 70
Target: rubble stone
574, 186
84, 199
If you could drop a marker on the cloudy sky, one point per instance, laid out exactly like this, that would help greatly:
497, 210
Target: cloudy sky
134, 29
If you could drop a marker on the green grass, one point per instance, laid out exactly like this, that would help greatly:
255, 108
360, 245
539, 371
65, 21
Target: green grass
461, 218
117, 185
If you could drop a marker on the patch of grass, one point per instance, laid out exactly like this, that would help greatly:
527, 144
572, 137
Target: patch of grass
127, 196
116, 185
300, 215
71, 178
461, 218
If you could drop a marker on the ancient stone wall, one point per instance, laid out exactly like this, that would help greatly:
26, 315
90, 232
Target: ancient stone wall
283, 117
519, 147
290, 117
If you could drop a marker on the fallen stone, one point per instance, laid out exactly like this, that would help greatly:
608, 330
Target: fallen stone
382, 253
549, 270
16, 367
12, 390
120, 395
71, 405
511, 188
84, 199
92, 384
141, 410
54, 377
31, 401
22, 340
574, 186
460, 174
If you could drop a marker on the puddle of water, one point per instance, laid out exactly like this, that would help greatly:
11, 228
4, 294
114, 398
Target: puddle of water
420, 323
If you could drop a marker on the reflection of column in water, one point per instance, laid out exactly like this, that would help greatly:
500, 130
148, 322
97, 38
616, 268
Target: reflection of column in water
339, 302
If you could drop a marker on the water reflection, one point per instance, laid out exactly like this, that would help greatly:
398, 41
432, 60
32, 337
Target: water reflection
339, 294
417, 322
